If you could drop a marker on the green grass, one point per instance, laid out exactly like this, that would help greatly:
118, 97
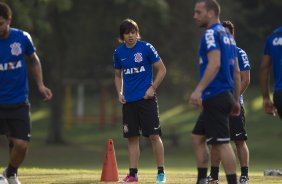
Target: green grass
80, 159
82, 176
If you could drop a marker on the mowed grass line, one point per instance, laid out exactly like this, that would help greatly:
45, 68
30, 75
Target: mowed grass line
83, 176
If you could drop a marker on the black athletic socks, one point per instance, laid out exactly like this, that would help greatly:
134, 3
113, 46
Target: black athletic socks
160, 170
11, 171
133, 172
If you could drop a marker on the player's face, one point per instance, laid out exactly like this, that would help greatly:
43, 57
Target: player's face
4, 27
130, 38
201, 15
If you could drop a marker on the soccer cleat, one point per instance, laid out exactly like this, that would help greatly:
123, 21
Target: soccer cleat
161, 178
210, 180
12, 179
129, 178
3, 180
243, 180
202, 181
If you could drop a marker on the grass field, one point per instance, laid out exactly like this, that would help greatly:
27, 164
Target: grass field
80, 159
79, 176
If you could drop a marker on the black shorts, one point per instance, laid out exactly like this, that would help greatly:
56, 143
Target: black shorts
213, 122
238, 126
141, 117
277, 98
15, 121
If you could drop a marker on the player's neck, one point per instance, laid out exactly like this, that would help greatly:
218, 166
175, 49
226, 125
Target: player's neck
6, 34
212, 22
130, 45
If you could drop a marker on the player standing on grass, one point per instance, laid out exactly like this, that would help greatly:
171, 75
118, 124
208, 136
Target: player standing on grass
14, 103
237, 123
272, 57
219, 73
134, 61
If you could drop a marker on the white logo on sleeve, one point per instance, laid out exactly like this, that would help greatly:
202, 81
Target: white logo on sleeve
210, 38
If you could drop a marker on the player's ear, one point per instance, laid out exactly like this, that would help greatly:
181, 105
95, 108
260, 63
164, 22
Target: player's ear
10, 20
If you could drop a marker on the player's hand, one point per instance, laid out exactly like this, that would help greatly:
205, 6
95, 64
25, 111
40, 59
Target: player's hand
46, 93
121, 99
236, 110
269, 107
149, 93
196, 98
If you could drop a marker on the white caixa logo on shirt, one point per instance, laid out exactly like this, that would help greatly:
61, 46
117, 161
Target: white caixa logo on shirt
16, 48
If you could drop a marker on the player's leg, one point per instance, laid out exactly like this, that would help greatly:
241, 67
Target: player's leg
150, 123
239, 136
217, 110
228, 161
215, 162
277, 98
200, 148
133, 155
19, 134
131, 132
243, 156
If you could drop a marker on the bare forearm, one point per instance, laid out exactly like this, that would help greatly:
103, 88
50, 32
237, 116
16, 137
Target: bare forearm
210, 73
244, 85
159, 78
264, 76
37, 73
264, 83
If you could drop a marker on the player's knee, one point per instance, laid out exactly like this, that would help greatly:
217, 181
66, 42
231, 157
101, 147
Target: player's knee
198, 139
20, 145
154, 138
239, 144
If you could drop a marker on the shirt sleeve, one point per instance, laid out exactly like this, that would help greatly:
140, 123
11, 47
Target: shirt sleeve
211, 40
117, 64
267, 46
152, 53
244, 63
30, 49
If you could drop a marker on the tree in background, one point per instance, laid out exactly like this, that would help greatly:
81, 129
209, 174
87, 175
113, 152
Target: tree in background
76, 39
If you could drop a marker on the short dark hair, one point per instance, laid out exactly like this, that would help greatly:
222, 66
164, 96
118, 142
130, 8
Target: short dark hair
229, 25
211, 5
5, 11
126, 26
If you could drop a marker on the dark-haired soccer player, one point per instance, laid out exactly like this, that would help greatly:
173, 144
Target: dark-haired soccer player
272, 57
217, 92
14, 103
134, 61
237, 124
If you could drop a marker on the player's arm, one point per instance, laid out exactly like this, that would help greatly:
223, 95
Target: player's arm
237, 89
264, 84
160, 70
264, 76
119, 86
209, 75
237, 81
245, 80
38, 77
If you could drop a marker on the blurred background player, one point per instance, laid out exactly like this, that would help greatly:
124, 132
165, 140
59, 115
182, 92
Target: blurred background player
134, 61
237, 124
272, 57
219, 78
14, 103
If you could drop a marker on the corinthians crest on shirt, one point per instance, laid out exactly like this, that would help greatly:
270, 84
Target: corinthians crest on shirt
16, 49
138, 57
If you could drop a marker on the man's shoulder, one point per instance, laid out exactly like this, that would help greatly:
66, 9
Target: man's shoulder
20, 33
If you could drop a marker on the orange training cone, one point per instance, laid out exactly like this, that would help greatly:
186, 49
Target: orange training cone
110, 170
